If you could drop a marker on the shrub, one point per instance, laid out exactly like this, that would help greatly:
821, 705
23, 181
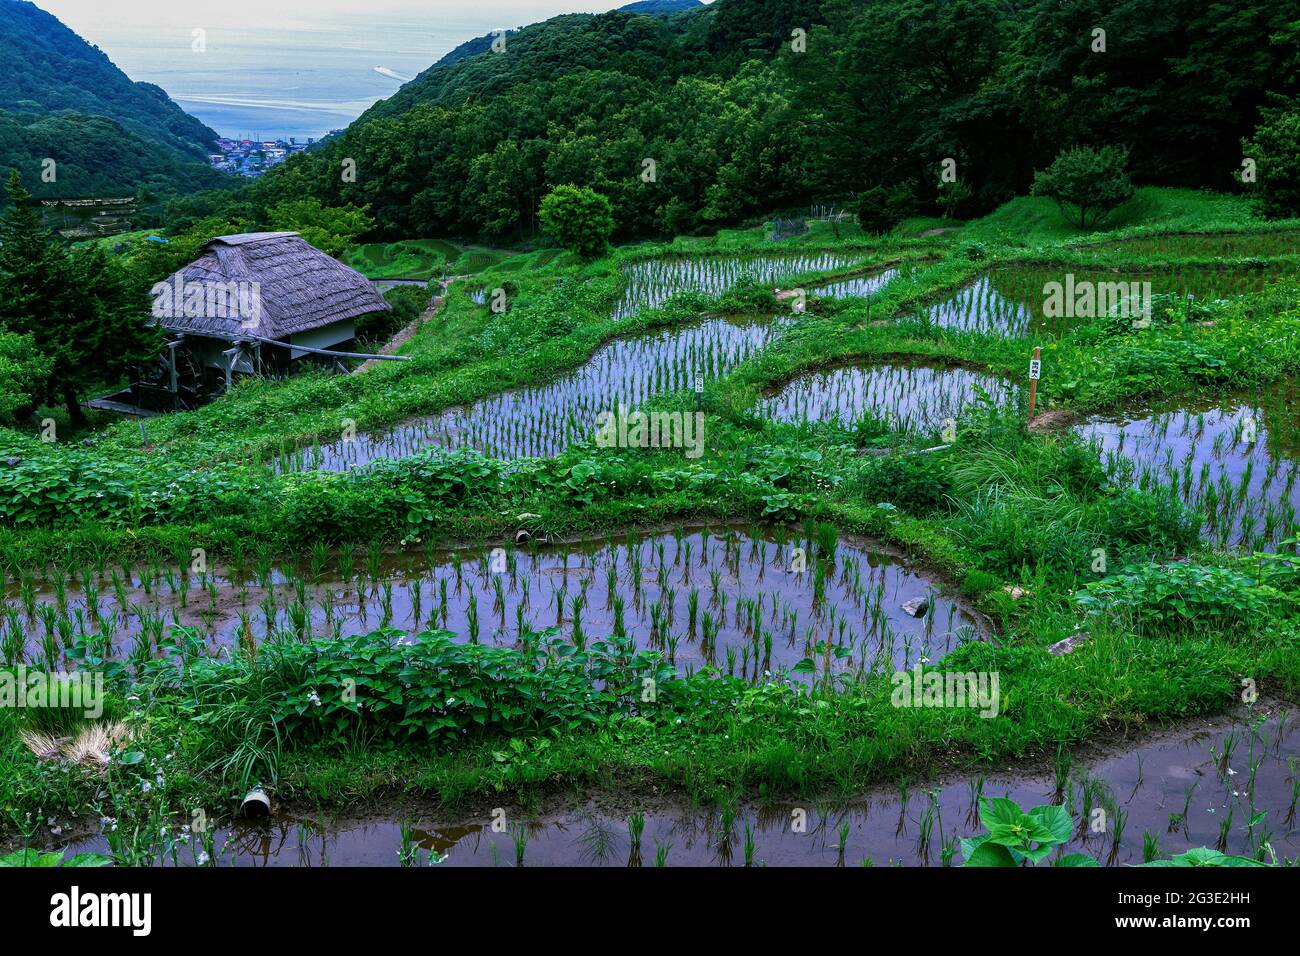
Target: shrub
1172, 598
1156, 523
580, 219
915, 483
1276, 152
882, 208
1087, 184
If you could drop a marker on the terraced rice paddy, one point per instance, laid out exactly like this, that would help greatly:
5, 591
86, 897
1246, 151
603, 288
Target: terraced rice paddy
1235, 463
545, 419
750, 602
1010, 302
854, 286
1198, 787
911, 397
1243, 245
650, 283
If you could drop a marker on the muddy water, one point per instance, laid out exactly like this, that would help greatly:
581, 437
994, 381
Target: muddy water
544, 420
764, 605
1234, 462
651, 282
1196, 787
1010, 302
920, 398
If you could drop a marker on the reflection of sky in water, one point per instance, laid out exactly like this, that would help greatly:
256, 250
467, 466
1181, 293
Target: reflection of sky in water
759, 607
918, 398
546, 419
1174, 788
1245, 487
651, 282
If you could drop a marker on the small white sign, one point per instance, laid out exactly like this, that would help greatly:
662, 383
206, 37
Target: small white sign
1035, 367
699, 383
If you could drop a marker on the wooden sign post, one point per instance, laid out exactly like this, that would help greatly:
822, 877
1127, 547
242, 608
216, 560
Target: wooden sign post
1035, 369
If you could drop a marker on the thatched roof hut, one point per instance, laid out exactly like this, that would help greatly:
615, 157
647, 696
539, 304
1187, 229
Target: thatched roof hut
267, 285
260, 303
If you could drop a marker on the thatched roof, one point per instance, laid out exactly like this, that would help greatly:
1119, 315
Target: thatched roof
293, 285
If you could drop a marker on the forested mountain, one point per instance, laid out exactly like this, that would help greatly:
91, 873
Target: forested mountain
660, 7
745, 106
649, 7
64, 99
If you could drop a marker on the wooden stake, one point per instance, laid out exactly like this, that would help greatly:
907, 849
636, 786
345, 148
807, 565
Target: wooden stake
1035, 369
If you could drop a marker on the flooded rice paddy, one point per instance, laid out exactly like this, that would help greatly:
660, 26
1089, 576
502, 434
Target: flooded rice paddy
544, 420
916, 397
1198, 787
1233, 462
1011, 302
854, 286
1257, 244
746, 601
650, 283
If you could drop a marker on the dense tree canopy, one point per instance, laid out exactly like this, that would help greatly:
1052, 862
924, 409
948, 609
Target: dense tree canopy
82, 311
958, 102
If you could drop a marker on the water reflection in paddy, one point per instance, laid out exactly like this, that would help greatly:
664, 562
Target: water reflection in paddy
1233, 462
543, 420
914, 397
745, 601
1198, 787
1011, 302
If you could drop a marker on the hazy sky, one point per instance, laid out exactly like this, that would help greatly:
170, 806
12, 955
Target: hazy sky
109, 17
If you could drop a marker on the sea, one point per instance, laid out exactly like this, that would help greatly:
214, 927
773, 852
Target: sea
284, 69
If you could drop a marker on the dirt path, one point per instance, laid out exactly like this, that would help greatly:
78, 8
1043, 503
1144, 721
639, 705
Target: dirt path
404, 335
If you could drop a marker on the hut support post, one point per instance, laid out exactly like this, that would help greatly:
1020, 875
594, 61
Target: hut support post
172, 384
232, 356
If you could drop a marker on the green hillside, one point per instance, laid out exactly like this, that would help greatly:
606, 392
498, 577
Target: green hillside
725, 113
63, 99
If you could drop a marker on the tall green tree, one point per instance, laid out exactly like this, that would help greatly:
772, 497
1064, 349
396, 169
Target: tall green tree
82, 311
1087, 184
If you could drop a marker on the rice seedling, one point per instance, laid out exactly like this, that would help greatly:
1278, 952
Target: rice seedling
519, 837
661, 853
